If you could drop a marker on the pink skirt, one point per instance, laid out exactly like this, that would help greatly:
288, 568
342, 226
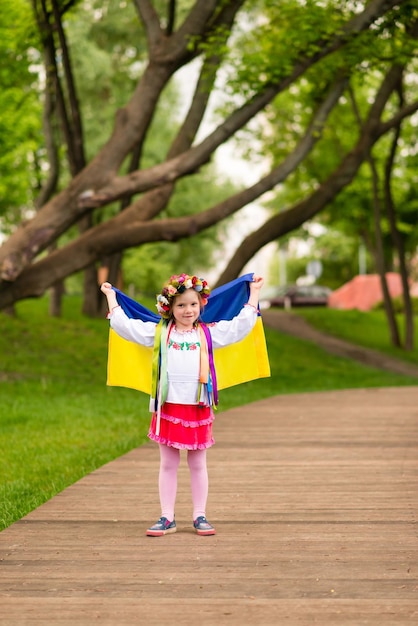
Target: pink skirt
184, 426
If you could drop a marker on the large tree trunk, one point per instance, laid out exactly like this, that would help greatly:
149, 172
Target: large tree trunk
396, 235
55, 299
91, 298
377, 217
380, 257
60, 100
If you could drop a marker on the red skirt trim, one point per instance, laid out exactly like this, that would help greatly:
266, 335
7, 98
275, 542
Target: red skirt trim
184, 426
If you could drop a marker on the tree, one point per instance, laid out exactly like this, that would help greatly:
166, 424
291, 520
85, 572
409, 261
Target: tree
21, 115
317, 37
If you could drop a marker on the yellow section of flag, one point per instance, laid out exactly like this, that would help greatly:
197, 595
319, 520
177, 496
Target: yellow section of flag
130, 364
243, 361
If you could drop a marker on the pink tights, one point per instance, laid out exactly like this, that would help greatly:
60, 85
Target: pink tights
169, 463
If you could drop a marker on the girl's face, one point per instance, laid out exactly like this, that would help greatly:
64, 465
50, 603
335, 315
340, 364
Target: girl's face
186, 309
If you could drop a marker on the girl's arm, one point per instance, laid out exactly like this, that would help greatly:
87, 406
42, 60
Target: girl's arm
110, 294
131, 329
255, 286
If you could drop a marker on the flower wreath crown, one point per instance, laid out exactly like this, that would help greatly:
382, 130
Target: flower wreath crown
177, 285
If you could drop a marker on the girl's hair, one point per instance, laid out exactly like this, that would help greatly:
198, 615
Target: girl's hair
177, 285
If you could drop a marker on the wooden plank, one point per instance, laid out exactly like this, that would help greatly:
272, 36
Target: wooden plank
112, 611
314, 497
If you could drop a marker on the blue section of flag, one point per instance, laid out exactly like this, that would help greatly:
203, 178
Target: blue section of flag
134, 310
224, 302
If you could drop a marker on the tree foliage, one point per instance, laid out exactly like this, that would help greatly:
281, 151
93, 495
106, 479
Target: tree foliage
263, 57
21, 114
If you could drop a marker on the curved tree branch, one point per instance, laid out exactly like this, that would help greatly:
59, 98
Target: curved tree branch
151, 21
131, 124
152, 203
128, 229
199, 19
171, 17
292, 218
34, 280
187, 163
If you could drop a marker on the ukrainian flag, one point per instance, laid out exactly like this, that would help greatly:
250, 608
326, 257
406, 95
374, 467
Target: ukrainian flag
130, 364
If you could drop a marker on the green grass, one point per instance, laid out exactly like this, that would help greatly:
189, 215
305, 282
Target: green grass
365, 329
59, 421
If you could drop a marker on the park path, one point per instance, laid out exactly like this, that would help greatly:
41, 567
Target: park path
314, 497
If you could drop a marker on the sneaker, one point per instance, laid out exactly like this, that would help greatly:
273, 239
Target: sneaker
203, 527
162, 527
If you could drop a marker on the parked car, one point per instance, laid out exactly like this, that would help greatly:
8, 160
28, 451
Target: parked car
295, 295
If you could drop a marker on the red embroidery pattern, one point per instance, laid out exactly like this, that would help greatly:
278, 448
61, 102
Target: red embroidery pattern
185, 345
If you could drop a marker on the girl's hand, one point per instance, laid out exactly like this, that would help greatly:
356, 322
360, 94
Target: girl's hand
255, 287
258, 282
106, 288
110, 294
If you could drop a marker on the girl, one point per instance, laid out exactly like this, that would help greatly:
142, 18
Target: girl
184, 390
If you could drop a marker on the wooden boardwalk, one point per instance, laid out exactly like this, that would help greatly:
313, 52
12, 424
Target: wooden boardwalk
315, 501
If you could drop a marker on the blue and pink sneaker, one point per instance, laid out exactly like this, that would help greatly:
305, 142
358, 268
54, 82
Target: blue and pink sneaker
162, 527
203, 527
